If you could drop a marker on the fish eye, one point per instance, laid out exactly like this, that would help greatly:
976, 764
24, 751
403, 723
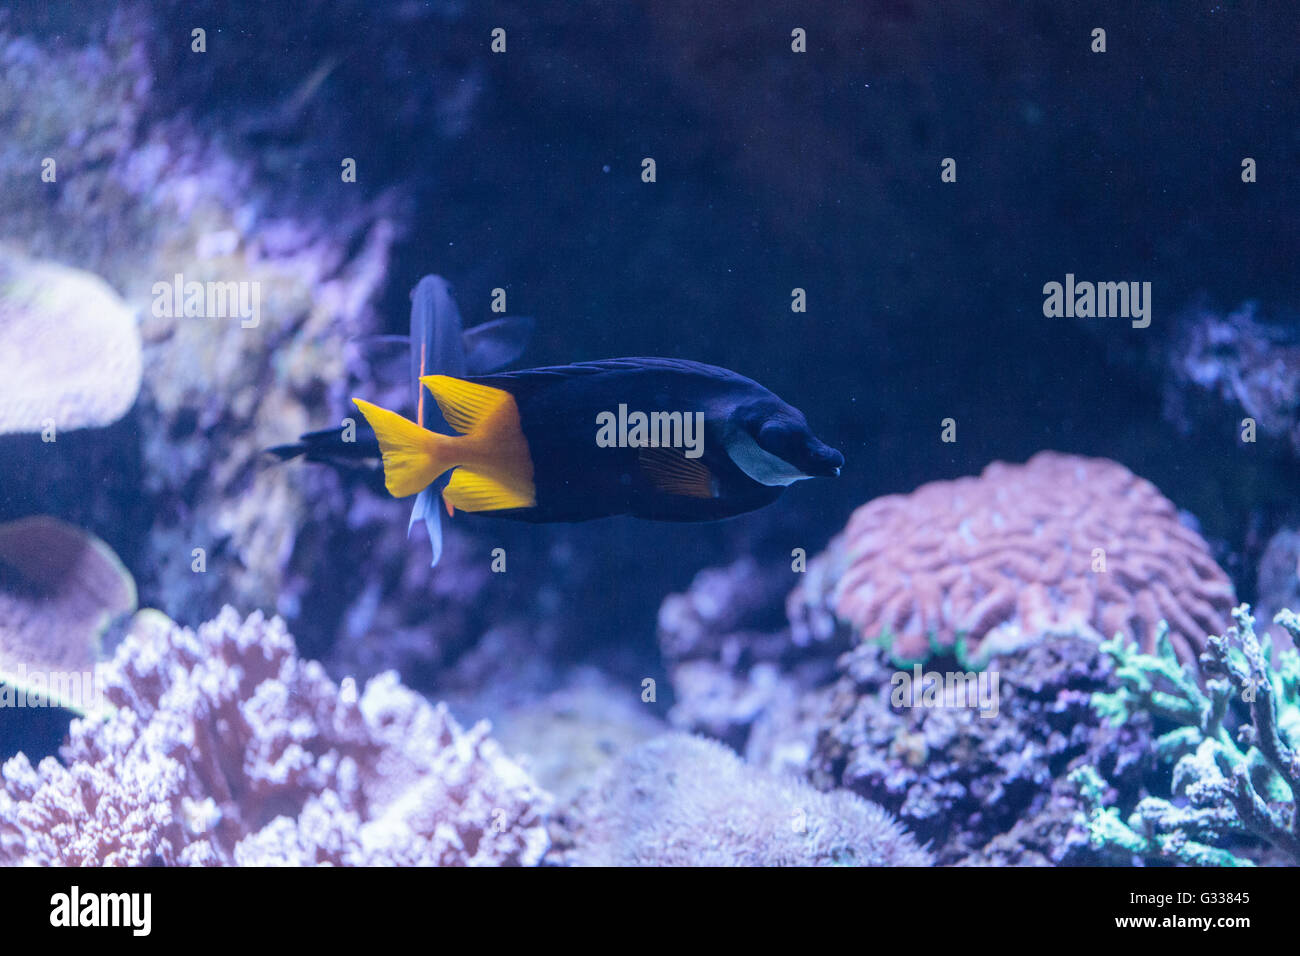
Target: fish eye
775, 437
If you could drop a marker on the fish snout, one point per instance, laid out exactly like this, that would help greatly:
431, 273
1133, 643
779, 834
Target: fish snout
825, 461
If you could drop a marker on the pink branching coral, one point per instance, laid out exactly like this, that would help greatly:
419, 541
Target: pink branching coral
225, 747
1013, 554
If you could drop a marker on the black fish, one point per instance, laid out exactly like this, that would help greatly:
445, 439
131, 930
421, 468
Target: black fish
657, 438
438, 343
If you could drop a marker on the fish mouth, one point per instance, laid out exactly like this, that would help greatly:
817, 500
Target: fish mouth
826, 462
828, 469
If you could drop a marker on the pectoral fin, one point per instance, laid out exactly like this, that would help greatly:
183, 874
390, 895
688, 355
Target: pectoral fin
673, 473
495, 344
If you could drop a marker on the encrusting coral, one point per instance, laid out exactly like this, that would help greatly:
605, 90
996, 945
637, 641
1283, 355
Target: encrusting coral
726, 644
1277, 582
59, 589
69, 347
169, 199
1061, 544
961, 781
1225, 786
1243, 362
681, 800
222, 746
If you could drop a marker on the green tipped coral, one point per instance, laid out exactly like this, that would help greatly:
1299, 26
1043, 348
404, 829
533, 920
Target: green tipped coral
1224, 785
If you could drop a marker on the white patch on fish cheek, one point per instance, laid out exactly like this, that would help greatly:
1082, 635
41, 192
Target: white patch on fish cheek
762, 466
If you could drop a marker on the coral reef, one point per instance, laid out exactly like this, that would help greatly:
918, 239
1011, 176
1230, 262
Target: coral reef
980, 790
1239, 362
681, 800
1225, 786
224, 747
1277, 582
728, 650
69, 345
961, 780
203, 518
170, 198
1061, 544
568, 736
59, 590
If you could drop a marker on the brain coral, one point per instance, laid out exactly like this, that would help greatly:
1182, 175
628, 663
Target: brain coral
225, 747
1013, 554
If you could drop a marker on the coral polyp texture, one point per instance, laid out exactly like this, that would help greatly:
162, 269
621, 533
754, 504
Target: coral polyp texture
1061, 544
222, 746
681, 800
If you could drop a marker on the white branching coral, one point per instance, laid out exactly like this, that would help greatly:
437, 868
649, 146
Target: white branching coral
223, 746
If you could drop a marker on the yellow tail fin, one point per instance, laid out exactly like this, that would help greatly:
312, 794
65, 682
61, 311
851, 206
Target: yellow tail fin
413, 456
494, 466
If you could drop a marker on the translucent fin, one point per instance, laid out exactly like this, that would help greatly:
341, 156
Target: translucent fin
419, 511
437, 340
437, 345
495, 344
382, 341
426, 510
